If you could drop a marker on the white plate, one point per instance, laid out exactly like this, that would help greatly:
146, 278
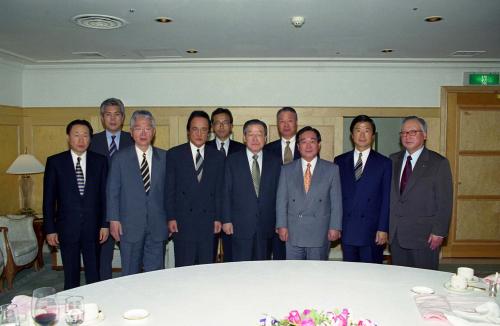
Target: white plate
135, 314
422, 290
448, 287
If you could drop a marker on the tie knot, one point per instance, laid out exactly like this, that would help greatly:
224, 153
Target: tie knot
255, 157
222, 144
308, 165
360, 154
198, 150
143, 155
409, 158
113, 137
287, 142
78, 159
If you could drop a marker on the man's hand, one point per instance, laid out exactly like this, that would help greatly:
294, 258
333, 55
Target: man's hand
52, 239
103, 235
172, 227
435, 241
227, 228
333, 235
217, 227
381, 238
116, 230
283, 233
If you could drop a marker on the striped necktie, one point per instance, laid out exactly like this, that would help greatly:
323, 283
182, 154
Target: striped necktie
358, 168
112, 146
256, 174
222, 149
199, 165
146, 179
80, 179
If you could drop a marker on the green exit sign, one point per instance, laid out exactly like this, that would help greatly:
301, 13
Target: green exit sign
484, 79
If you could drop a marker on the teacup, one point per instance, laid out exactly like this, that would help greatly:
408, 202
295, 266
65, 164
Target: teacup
466, 272
91, 311
458, 282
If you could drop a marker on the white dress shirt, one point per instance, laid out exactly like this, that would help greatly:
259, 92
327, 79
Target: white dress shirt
83, 162
414, 158
283, 146
304, 165
250, 160
194, 151
149, 158
364, 157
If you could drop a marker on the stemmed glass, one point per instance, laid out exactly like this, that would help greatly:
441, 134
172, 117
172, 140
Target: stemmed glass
44, 308
75, 310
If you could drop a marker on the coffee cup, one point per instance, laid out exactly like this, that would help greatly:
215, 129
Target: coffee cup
91, 311
466, 272
458, 282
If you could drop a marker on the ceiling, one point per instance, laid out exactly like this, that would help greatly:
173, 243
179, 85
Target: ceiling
42, 31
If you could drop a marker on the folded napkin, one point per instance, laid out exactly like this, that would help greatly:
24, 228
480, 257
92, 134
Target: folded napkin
491, 279
23, 303
432, 306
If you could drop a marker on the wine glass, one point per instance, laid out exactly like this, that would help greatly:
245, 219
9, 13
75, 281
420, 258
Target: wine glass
75, 310
44, 308
8, 315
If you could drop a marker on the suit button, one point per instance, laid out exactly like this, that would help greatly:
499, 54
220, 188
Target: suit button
293, 200
204, 211
300, 215
190, 209
349, 215
402, 201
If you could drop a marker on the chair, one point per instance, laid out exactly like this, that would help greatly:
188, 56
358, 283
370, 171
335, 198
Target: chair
18, 245
2, 261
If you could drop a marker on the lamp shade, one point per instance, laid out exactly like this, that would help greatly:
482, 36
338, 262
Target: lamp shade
25, 164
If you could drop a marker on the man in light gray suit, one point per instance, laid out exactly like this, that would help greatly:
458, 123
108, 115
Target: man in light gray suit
421, 199
309, 201
136, 199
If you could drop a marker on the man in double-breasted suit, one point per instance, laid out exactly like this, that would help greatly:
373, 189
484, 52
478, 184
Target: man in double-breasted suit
195, 176
136, 199
366, 186
74, 204
309, 201
107, 143
250, 184
421, 199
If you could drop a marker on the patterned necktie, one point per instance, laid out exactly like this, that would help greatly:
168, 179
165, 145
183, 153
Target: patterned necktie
307, 178
256, 174
358, 168
80, 179
287, 157
222, 149
406, 175
199, 165
146, 179
112, 146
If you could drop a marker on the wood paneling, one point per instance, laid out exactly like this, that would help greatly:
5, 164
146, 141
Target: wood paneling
478, 175
479, 130
478, 220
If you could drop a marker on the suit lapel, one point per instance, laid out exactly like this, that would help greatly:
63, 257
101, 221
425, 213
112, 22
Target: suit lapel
315, 181
69, 167
396, 173
155, 161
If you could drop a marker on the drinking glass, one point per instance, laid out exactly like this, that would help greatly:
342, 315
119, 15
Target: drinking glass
75, 310
44, 307
8, 315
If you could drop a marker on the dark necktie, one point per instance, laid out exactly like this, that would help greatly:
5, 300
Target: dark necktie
199, 165
146, 179
112, 146
358, 168
288, 156
406, 175
256, 174
80, 179
222, 149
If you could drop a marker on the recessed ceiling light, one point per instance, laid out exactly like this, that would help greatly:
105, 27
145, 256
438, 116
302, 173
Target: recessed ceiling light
433, 19
98, 21
387, 50
192, 51
163, 20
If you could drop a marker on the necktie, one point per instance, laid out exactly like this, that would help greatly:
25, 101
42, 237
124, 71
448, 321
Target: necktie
112, 146
358, 168
199, 165
256, 174
222, 149
146, 179
287, 157
307, 178
406, 175
80, 179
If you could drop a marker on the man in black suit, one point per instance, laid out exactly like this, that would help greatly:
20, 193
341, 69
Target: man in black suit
74, 196
222, 126
107, 143
249, 205
195, 175
286, 148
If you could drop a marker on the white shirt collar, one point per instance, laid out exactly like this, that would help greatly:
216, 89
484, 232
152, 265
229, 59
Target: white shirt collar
313, 164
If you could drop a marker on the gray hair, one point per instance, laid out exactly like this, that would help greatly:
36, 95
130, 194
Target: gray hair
254, 122
142, 114
286, 109
112, 102
421, 121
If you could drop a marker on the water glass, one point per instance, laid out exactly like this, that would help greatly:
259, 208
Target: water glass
8, 315
75, 310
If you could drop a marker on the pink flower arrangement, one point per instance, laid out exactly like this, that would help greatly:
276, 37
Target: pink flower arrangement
312, 317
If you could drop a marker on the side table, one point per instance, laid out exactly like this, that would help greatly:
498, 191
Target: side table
40, 237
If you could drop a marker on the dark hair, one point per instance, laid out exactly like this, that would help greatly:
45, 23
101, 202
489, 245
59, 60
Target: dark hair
222, 111
198, 114
308, 128
363, 118
421, 121
286, 109
255, 122
81, 123
112, 102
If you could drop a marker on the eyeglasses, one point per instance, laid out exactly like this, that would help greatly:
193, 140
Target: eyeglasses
409, 133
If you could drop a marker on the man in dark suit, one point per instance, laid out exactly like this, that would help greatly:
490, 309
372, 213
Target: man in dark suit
366, 186
195, 175
107, 143
421, 199
222, 126
250, 184
286, 148
74, 197
136, 195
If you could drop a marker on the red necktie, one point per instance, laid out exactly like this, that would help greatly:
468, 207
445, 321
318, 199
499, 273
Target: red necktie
406, 175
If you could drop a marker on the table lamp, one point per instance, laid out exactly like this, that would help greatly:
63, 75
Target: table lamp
25, 165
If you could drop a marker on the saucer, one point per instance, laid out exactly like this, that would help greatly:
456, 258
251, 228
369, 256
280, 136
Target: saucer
100, 318
447, 286
135, 314
422, 290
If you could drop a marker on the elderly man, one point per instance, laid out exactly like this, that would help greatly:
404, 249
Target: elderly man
249, 207
136, 192
421, 199
309, 201
107, 143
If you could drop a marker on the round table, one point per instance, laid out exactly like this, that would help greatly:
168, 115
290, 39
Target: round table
241, 293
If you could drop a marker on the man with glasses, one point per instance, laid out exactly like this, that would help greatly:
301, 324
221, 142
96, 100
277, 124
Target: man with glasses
195, 175
421, 199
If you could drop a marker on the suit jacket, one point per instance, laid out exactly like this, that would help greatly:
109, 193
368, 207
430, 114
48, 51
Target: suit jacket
275, 148
99, 143
241, 206
365, 202
194, 205
72, 216
127, 201
234, 146
425, 205
308, 217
